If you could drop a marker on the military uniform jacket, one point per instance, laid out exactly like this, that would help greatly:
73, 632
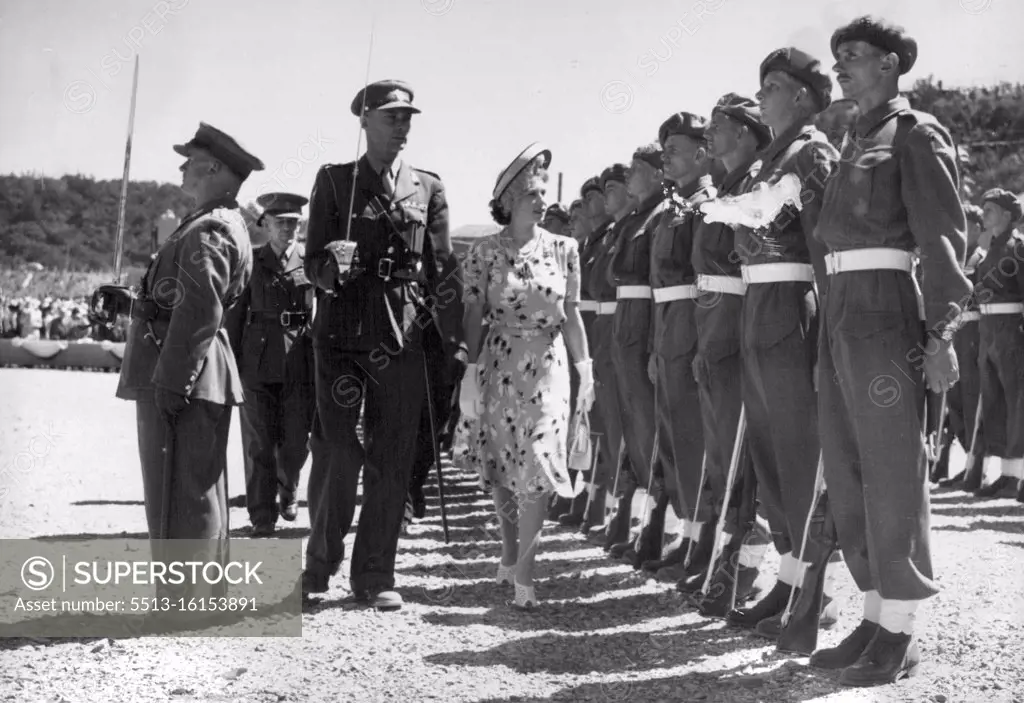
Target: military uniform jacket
672, 249
897, 187
1000, 274
714, 254
804, 151
596, 285
589, 255
631, 263
267, 350
369, 313
195, 277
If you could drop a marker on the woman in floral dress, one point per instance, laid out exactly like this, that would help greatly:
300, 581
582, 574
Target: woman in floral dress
524, 283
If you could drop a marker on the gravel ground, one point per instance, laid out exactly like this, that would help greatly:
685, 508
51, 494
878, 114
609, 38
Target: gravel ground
603, 632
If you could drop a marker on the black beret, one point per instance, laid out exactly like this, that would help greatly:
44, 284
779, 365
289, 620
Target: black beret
616, 172
879, 33
384, 95
804, 68
556, 211
651, 153
222, 147
685, 123
747, 112
1004, 199
592, 183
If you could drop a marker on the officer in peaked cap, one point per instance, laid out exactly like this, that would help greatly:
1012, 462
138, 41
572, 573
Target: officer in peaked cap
556, 219
674, 338
178, 364
1000, 294
883, 342
388, 328
778, 326
269, 328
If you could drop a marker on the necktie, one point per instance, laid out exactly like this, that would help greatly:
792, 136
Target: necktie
389, 182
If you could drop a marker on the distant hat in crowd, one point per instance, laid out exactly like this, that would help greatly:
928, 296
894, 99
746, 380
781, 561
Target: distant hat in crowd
384, 95
747, 112
805, 69
1004, 199
222, 147
684, 123
879, 33
575, 205
284, 205
557, 212
615, 172
591, 184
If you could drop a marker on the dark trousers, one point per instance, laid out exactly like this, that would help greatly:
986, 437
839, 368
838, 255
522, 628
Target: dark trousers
782, 405
441, 394
1001, 360
391, 394
276, 421
680, 428
605, 421
195, 493
631, 327
962, 399
870, 406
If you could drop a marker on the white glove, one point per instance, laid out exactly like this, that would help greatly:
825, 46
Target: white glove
470, 397
585, 395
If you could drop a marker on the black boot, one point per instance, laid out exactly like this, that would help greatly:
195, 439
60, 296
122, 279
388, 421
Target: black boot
574, 516
954, 482
558, 507
618, 527
974, 473
675, 557
771, 605
594, 515
994, 488
888, 658
772, 629
700, 559
847, 652
729, 578
940, 470
648, 546
1020, 492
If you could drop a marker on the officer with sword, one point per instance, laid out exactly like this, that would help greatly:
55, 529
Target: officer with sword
378, 248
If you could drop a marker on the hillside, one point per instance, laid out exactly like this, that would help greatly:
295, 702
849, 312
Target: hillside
69, 223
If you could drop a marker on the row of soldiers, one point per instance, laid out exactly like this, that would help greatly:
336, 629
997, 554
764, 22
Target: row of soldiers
776, 320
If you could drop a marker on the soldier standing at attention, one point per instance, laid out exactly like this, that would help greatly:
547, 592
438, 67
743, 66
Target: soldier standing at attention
735, 135
1000, 295
779, 322
673, 341
895, 191
269, 333
369, 336
178, 365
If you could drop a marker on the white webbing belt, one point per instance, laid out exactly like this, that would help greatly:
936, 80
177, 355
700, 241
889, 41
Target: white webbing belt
670, 293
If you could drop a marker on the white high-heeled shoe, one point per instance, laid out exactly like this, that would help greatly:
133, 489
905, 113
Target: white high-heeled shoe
506, 575
525, 596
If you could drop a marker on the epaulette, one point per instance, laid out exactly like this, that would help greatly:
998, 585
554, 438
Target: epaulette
429, 173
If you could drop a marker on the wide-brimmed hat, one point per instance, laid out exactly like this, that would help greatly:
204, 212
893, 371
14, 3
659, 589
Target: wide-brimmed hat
518, 165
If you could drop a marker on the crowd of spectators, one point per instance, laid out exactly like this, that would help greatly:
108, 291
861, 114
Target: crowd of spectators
54, 318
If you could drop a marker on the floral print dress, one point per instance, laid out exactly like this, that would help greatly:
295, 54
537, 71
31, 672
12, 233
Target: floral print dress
519, 440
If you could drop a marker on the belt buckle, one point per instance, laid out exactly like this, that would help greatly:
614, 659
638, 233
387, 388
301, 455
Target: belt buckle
384, 268
286, 319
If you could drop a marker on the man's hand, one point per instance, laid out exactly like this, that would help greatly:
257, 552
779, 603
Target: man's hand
470, 397
169, 403
941, 371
